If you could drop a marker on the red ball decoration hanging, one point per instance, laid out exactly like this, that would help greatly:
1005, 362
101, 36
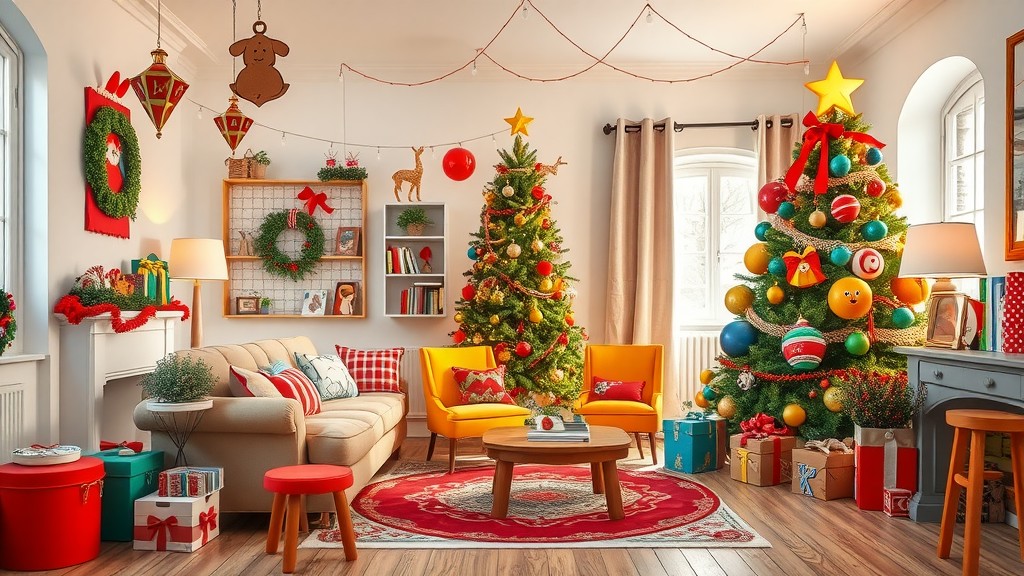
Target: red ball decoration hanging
545, 223
500, 347
458, 164
875, 188
812, 394
523, 349
771, 195
520, 328
233, 125
468, 291
563, 338
537, 192
824, 384
544, 267
459, 337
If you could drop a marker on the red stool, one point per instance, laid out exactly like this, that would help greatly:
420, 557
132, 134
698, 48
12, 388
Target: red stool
293, 482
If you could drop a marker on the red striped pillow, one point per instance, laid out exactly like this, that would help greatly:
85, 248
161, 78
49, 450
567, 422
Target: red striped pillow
292, 383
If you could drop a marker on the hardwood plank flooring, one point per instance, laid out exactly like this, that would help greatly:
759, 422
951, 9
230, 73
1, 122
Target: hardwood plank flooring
808, 537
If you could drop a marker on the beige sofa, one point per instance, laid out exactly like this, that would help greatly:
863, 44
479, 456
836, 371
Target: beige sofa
248, 436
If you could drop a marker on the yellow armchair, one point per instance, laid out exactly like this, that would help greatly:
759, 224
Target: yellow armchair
445, 415
631, 362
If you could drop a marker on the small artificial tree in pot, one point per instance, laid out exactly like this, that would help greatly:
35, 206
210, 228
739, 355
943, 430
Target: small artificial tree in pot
178, 378
414, 220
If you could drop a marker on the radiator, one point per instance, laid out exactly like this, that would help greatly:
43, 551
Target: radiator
409, 371
12, 420
697, 351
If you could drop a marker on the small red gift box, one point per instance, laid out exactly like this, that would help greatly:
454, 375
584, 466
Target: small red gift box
179, 524
896, 502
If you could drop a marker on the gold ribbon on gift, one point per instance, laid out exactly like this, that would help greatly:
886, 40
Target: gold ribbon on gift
744, 455
828, 445
159, 272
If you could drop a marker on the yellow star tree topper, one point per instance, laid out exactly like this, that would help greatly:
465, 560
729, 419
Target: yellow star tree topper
835, 90
519, 122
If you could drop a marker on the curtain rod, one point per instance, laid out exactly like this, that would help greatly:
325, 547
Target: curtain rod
680, 126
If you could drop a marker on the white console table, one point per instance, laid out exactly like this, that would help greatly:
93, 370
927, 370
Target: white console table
92, 354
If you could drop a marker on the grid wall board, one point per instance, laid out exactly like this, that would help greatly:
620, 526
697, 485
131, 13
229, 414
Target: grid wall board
249, 278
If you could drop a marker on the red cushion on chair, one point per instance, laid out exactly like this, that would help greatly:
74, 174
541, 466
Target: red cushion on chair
482, 386
307, 479
606, 389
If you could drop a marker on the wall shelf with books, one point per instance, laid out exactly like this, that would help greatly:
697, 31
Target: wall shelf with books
415, 264
335, 287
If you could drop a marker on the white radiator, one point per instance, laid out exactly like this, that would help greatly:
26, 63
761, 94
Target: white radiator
12, 421
697, 351
410, 372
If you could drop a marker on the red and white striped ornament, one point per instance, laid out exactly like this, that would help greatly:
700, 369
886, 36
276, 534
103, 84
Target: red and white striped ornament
845, 208
803, 346
867, 263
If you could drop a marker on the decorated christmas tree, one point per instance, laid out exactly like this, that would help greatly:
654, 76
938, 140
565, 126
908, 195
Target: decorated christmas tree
822, 306
519, 294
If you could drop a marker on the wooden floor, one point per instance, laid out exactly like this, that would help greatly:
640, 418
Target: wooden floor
808, 536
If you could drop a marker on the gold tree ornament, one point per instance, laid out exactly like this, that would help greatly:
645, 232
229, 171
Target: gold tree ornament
835, 90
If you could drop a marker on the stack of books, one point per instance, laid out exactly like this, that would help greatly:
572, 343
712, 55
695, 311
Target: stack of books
572, 432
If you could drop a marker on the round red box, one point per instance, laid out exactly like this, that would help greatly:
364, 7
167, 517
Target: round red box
50, 515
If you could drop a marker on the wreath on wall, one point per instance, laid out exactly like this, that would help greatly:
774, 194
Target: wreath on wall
277, 262
114, 204
8, 327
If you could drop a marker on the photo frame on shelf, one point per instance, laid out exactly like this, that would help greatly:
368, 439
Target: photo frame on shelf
347, 241
947, 320
314, 302
247, 305
346, 299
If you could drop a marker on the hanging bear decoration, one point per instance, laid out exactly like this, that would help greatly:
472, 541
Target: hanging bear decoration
259, 82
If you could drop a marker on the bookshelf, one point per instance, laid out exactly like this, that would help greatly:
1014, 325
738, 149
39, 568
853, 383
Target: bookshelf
410, 290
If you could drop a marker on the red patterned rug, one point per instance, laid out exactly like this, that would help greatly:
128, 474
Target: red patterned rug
549, 506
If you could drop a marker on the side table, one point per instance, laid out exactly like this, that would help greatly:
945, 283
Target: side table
178, 420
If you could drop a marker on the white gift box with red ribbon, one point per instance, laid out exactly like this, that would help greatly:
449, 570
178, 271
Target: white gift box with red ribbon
176, 523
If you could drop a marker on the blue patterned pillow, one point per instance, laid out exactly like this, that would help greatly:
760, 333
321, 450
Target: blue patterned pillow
329, 375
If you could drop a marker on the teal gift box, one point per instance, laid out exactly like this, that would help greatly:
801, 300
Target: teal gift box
156, 279
695, 444
127, 478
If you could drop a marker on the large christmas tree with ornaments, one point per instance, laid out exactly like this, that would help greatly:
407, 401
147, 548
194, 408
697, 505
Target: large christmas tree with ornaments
822, 306
519, 294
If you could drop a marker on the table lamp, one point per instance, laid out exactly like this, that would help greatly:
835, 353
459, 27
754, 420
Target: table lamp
943, 251
197, 259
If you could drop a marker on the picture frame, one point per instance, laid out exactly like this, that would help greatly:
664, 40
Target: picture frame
947, 320
347, 301
1014, 232
347, 241
245, 305
314, 302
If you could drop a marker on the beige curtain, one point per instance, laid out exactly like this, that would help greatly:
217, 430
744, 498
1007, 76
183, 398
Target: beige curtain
640, 261
775, 146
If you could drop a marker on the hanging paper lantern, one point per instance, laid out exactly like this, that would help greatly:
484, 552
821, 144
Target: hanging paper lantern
875, 187
857, 343
803, 270
544, 267
761, 229
709, 393
845, 208
849, 298
833, 399
523, 349
159, 89
874, 230
839, 166
738, 299
775, 295
817, 219
867, 263
840, 255
803, 346
771, 195
873, 156
458, 164
726, 407
787, 210
794, 415
232, 124
902, 317
756, 258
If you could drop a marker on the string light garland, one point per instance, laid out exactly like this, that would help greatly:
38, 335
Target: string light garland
599, 60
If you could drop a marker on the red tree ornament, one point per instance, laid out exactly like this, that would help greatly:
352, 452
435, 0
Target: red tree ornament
459, 337
458, 164
468, 291
233, 125
544, 267
771, 195
523, 349
537, 192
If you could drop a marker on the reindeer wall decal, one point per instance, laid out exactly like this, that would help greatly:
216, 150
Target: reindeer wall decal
411, 176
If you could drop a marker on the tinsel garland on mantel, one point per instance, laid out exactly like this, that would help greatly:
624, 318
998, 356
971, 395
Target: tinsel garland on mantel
70, 305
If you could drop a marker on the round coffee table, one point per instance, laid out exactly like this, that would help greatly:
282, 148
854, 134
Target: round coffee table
509, 446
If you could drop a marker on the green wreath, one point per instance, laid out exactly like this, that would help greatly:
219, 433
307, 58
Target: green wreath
275, 261
8, 327
113, 204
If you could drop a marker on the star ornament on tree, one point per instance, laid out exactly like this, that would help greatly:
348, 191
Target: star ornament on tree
519, 122
834, 90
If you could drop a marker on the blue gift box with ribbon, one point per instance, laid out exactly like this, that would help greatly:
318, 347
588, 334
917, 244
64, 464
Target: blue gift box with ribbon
695, 443
823, 472
155, 276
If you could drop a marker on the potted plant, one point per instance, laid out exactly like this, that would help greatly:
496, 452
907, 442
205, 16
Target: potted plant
265, 304
178, 379
414, 220
258, 164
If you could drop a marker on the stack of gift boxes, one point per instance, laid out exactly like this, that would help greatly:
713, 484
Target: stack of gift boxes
182, 515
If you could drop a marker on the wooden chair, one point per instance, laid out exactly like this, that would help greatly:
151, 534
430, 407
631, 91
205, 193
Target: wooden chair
971, 425
631, 362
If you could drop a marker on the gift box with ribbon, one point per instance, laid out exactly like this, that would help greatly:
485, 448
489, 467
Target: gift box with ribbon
761, 461
177, 524
885, 458
130, 476
896, 502
156, 278
823, 469
695, 443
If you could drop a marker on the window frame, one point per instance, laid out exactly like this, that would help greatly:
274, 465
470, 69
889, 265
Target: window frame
713, 163
12, 183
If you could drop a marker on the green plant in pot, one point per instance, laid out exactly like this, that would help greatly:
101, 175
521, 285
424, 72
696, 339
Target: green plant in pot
414, 220
258, 164
178, 378
265, 304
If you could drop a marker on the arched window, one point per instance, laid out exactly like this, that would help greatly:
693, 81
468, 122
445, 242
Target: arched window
963, 127
715, 214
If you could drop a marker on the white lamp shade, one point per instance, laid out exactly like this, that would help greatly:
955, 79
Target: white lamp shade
942, 250
198, 259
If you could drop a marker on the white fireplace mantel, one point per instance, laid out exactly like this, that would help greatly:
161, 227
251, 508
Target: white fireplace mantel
92, 354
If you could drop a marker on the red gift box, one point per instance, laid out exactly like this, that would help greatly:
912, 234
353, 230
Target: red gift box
886, 458
179, 524
1013, 314
896, 502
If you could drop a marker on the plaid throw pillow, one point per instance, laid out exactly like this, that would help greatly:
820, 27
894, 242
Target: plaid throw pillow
292, 383
329, 375
605, 389
373, 370
482, 386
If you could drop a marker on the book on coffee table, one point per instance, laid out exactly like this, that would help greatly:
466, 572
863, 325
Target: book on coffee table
569, 432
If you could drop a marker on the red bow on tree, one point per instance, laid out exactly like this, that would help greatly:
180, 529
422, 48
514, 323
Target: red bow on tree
818, 132
762, 425
314, 200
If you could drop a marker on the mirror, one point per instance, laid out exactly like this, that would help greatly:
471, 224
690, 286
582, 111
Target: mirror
1015, 146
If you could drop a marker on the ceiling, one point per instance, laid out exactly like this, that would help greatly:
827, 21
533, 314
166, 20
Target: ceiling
406, 38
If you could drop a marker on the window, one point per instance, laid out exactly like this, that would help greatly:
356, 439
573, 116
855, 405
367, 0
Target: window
963, 189
10, 73
715, 215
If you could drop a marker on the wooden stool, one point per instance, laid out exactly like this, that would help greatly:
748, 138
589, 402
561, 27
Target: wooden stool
975, 423
292, 482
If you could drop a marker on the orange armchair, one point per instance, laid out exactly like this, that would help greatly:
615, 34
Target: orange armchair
627, 363
445, 415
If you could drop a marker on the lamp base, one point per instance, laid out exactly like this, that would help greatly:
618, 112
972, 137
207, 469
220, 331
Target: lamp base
944, 285
197, 325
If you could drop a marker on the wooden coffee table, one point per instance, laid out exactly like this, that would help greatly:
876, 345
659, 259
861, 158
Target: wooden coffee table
509, 446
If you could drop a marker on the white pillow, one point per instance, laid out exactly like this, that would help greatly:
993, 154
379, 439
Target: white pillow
329, 375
